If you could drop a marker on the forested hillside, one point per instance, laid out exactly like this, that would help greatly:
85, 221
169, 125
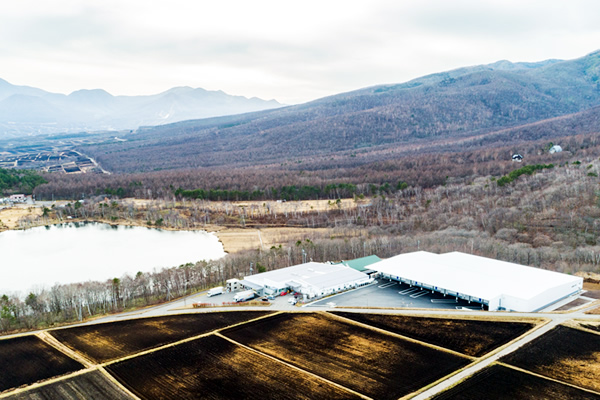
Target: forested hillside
426, 114
19, 181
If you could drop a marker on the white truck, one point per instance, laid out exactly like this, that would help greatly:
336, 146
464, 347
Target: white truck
215, 291
244, 296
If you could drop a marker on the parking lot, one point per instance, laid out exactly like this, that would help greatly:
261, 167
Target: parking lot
393, 294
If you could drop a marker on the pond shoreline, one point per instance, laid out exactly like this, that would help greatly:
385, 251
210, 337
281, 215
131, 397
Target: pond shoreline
78, 251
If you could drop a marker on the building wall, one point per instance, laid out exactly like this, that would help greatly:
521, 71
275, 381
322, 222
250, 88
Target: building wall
543, 299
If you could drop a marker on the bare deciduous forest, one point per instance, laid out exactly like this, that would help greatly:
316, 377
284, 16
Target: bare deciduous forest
548, 219
425, 165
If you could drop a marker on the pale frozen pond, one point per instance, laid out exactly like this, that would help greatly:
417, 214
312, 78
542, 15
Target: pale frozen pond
79, 252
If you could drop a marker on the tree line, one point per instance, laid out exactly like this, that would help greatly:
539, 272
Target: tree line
19, 181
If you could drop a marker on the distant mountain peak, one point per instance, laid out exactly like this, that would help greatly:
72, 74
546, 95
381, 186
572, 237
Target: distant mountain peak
96, 109
90, 92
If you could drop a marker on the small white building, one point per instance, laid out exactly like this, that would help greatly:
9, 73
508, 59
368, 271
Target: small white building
310, 279
17, 198
555, 149
233, 285
497, 284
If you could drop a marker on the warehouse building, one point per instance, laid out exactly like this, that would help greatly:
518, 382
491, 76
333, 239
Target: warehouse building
310, 279
362, 264
499, 285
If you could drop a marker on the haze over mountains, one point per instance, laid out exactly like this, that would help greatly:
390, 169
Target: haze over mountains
467, 106
28, 110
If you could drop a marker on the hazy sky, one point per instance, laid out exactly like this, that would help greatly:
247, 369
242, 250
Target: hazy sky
293, 51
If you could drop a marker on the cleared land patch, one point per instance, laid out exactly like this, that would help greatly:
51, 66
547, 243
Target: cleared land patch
92, 385
467, 336
109, 341
573, 304
375, 364
27, 359
214, 368
593, 294
499, 382
566, 354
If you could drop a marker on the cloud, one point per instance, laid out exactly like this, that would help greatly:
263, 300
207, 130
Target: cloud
291, 51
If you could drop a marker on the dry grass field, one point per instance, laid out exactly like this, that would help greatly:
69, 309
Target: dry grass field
105, 342
91, 385
10, 216
567, 354
214, 368
27, 359
468, 336
595, 311
238, 239
503, 383
372, 363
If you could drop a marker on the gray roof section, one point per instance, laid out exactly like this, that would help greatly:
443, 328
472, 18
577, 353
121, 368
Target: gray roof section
251, 285
314, 274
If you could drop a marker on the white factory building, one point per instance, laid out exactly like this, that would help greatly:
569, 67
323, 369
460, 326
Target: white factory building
310, 279
497, 284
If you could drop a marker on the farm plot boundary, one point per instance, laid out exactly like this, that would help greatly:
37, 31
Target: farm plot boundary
94, 384
25, 360
376, 364
471, 337
566, 354
214, 367
504, 382
105, 342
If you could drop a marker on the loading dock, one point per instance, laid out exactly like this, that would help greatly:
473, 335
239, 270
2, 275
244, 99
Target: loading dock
492, 284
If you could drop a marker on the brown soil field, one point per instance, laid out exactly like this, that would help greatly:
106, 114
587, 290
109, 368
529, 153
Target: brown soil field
468, 336
499, 382
372, 363
214, 368
27, 359
573, 304
566, 354
92, 385
109, 341
593, 294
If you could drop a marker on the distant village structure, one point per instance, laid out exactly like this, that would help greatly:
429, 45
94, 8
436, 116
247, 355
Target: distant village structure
555, 149
499, 285
17, 198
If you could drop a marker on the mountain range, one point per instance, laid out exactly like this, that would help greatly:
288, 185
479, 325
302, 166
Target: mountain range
29, 110
465, 106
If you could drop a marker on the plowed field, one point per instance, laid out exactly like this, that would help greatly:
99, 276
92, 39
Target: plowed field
471, 337
567, 354
105, 342
214, 368
27, 359
502, 383
375, 364
90, 386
